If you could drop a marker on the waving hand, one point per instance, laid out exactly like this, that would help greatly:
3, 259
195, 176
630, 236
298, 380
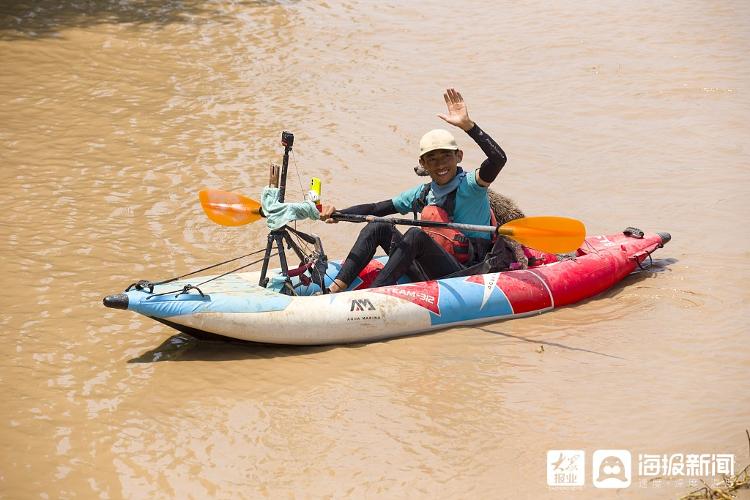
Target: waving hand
458, 114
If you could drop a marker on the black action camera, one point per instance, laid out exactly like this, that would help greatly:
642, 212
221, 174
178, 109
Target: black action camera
287, 139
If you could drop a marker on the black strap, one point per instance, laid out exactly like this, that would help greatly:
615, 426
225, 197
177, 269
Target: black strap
420, 201
449, 205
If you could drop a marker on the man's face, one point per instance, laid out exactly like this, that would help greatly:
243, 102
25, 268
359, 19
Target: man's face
441, 164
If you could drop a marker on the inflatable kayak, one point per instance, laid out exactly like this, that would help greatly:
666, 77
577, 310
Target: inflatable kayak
236, 306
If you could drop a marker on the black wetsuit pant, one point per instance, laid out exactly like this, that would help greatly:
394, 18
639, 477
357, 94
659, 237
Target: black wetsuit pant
415, 246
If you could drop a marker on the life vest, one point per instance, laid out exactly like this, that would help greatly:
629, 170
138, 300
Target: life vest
456, 243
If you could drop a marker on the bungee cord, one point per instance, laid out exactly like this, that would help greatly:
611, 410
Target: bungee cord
143, 284
189, 287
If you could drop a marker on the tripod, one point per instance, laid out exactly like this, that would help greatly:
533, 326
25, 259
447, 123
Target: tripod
280, 237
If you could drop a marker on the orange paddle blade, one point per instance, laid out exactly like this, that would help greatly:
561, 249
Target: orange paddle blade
548, 234
229, 209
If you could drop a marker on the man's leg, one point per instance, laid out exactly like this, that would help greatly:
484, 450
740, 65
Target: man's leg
416, 245
372, 236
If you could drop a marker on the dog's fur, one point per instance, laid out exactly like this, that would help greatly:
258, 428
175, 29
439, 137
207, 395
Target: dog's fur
506, 210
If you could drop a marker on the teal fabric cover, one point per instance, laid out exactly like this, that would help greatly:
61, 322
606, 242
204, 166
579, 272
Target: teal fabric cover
278, 214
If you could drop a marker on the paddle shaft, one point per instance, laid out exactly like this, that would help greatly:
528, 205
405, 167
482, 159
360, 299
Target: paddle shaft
421, 223
546, 233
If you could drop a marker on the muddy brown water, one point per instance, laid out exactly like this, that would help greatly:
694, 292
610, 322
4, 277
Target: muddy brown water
114, 114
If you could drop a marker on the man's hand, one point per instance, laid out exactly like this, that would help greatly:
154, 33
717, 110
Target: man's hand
325, 214
457, 115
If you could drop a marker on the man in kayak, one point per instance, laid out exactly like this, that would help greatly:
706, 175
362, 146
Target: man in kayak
454, 195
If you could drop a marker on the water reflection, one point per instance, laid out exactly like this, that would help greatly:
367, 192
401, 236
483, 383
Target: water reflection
49, 18
209, 347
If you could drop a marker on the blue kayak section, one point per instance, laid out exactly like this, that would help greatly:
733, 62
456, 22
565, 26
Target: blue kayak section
461, 300
165, 306
229, 294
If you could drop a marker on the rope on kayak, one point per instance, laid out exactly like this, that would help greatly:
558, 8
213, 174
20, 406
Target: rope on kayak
186, 289
634, 232
314, 270
299, 178
591, 247
317, 276
295, 234
650, 259
316, 273
316, 262
146, 285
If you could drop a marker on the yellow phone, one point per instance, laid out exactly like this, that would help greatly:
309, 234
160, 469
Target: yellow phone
315, 186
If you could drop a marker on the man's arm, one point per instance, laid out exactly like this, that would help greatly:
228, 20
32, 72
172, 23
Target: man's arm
379, 209
458, 116
496, 158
